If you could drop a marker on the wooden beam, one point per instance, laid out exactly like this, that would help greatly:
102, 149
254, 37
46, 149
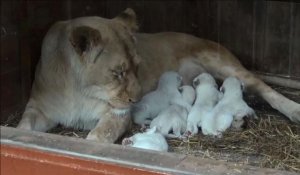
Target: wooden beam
279, 80
26, 152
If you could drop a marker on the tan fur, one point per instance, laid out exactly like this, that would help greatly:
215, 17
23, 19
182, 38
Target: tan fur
78, 82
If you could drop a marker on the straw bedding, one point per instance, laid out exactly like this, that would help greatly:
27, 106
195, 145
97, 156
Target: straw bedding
271, 141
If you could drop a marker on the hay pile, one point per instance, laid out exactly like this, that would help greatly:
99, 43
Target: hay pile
267, 142
271, 141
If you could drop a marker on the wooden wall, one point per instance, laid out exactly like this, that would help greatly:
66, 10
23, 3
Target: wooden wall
265, 35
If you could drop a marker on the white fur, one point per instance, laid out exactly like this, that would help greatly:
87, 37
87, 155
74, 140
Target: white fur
215, 124
207, 95
174, 118
156, 101
150, 140
230, 108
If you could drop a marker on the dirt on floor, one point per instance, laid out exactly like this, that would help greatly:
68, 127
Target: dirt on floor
270, 141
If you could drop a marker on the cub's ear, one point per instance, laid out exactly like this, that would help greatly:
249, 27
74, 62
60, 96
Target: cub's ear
128, 18
222, 89
84, 39
196, 82
151, 130
243, 87
180, 89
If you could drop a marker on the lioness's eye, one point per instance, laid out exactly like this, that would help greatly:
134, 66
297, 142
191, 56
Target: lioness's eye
98, 55
120, 71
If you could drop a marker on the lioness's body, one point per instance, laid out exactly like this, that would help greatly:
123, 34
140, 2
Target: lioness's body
168, 51
91, 69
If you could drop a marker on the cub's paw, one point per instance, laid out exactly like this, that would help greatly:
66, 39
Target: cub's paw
127, 141
187, 134
238, 124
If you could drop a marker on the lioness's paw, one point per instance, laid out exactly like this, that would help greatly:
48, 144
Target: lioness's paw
98, 138
294, 113
295, 116
91, 137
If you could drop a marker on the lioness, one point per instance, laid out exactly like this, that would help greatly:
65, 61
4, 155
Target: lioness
92, 69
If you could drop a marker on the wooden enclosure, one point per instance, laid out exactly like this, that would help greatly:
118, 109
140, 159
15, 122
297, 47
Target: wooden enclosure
264, 35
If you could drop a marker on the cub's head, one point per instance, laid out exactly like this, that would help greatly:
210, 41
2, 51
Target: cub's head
188, 94
204, 78
105, 59
170, 79
232, 85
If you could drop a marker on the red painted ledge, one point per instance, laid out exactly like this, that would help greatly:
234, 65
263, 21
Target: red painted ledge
34, 153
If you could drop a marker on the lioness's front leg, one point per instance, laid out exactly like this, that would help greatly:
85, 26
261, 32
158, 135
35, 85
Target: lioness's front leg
34, 119
109, 128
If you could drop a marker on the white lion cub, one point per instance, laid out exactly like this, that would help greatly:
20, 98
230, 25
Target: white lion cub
230, 110
150, 139
174, 118
156, 101
207, 96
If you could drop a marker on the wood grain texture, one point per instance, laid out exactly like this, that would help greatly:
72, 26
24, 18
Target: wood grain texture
264, 35
277, 38
295, 47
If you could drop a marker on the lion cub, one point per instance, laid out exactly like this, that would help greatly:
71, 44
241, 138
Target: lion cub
156, 101
150, 139
173, 119
207, 96
229, 111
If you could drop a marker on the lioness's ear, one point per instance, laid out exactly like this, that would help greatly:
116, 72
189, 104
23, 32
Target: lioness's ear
84, 39
128, 18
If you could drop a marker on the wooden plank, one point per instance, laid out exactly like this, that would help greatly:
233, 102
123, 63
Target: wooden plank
213, 16
235, 29
277, 39
157, 18
20, 161
295, 55
279, 80
41, 15
9, 37
195, 18
10, 93
38, 153
231, 24
116, 7
244, 33
25, 57
259, 25
9, 60
227, 23
87, 8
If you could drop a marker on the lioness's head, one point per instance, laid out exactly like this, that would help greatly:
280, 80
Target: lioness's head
106, 58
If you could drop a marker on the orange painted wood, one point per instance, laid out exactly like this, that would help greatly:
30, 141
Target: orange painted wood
23, 161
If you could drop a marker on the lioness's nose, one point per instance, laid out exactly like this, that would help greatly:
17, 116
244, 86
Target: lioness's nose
134, 89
